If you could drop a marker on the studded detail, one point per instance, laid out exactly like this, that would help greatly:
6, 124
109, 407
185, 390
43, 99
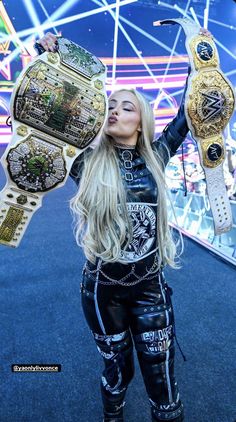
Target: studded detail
169, 416
129, 177
128, 164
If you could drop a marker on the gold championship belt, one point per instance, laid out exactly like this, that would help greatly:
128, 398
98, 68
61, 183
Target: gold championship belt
209, 105
58, 107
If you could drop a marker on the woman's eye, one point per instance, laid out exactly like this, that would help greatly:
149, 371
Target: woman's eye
110, 108
127, 109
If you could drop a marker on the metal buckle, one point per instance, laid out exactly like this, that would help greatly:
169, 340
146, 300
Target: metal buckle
129, 177
128, 164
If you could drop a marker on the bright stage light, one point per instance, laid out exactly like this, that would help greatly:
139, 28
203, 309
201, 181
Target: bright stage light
131, 44
64, 21
182, 11
116, 17
194, 15
149, 36
218, 22
33, 15
206, 19
224, 48
172, 52
57, 14
49, 18
206, 14
47, 25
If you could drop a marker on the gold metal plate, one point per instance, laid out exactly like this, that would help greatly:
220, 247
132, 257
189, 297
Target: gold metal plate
213, 151
204, 52
210, 104
10, 224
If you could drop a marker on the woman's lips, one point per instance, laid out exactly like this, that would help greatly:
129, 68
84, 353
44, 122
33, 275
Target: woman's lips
112, 119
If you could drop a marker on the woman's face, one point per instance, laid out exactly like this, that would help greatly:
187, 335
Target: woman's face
124, 118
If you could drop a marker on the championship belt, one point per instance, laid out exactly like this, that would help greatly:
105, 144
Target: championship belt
58, 107
209, 105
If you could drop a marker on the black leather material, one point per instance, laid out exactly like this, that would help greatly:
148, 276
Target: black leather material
39, 48
142, 314
142, 198
174, 415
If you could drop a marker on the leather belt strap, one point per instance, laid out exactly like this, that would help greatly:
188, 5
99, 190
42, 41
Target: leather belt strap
142, 310
209, 104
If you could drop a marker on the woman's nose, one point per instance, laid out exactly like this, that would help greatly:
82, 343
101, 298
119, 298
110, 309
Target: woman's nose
114, 111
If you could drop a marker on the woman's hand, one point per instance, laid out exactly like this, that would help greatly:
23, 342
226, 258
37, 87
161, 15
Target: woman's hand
48, 42
204, 31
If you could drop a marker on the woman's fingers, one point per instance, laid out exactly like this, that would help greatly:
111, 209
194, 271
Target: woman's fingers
204, 31
48, 42
52, 39
47, 45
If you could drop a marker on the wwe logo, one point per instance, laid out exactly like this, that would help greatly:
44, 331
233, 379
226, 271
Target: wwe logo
214, 104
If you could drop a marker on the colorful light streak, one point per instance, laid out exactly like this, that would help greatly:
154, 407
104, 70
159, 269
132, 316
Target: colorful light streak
137, 52
64, 21
28, 42
146, 83
147, 35
194, 16
206, 14
33, 16
49, 18
171, 55
149, 60
225, 25
115, 43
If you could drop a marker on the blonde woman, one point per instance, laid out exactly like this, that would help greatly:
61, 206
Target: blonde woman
120, 215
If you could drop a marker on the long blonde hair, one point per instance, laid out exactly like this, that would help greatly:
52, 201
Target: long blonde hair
101, 222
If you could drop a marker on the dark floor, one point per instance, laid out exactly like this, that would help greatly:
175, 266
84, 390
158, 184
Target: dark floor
42, 322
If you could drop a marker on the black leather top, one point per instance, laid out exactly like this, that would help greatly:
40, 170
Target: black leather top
141, 197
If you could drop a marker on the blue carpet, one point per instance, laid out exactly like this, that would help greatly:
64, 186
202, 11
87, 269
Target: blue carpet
42, 322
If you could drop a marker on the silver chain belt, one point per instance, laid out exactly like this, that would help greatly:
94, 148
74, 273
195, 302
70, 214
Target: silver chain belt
113, 281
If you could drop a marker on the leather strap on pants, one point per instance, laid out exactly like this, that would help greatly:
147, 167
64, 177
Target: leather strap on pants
120, 316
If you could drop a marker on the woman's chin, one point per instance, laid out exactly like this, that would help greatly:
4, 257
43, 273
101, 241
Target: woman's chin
112, 132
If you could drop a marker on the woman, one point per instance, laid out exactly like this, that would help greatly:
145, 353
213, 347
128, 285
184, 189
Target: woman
120, 215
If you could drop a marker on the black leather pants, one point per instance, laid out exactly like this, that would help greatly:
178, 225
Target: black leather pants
142, 314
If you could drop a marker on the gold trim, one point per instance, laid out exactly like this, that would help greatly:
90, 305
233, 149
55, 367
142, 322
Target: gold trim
213, 141
198, 62
53, 58
70, 151
98, 84
10, 224
210, 104
22, 130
